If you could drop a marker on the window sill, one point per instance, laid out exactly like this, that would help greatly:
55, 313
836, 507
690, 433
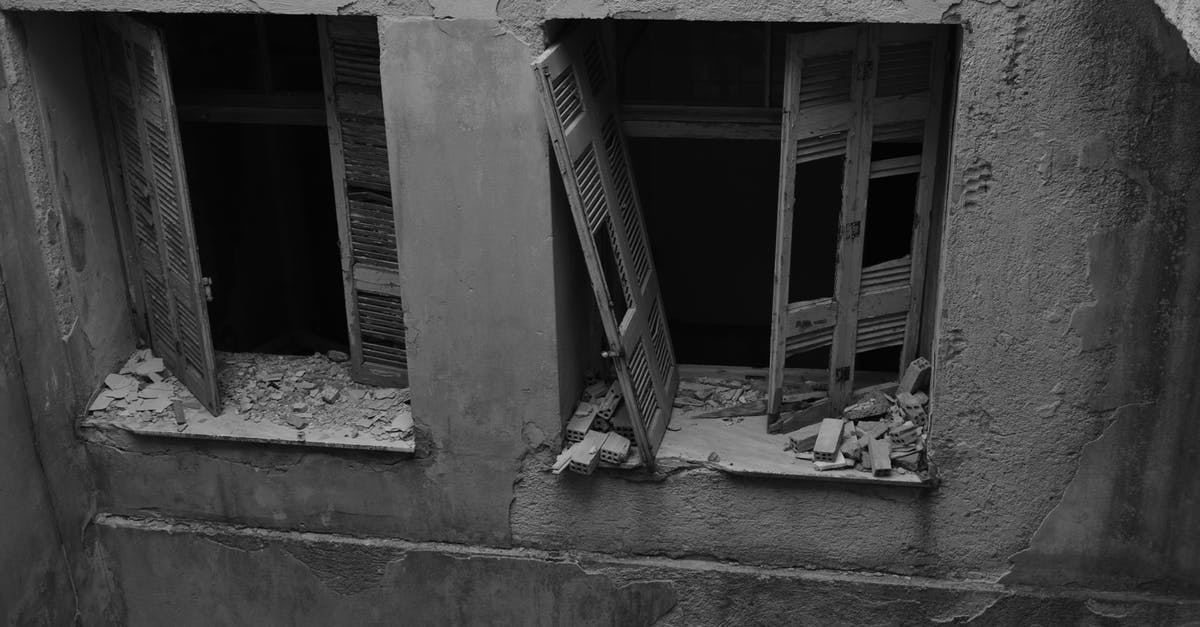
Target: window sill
267, 399
238, 428
743, 447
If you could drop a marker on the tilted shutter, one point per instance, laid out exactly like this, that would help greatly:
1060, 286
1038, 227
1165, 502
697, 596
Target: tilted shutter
580, 106
845, 88
156, 196
363, 195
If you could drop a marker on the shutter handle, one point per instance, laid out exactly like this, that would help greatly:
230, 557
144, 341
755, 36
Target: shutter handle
206, 283
612, 353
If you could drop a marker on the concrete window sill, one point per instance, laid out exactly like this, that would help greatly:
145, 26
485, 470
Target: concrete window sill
266, 399
743, 447
238, 428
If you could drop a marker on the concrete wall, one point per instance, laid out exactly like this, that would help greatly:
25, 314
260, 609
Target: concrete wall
1064, 396
68, 318
39, 591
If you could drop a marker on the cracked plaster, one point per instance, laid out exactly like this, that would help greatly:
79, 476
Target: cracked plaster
1072, 158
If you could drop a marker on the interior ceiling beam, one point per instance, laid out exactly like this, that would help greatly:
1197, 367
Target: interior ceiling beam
284, 108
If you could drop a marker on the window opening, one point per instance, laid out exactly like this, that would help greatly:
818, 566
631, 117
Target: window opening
275, 245
701, 104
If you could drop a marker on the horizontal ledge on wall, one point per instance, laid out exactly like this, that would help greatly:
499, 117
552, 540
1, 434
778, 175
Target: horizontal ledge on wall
234, 428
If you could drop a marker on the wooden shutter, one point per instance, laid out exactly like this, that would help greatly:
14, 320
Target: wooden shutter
578, 98
143, 113
845, 88
363, 196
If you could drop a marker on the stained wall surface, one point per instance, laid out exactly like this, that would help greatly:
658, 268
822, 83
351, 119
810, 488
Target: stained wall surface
1064, 397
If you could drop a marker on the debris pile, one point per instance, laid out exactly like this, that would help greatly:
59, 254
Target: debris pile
598, 431
880, 433
298, 391
713, 392
140, 388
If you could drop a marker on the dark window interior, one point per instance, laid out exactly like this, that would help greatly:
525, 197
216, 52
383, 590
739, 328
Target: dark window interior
710, 204
261, 192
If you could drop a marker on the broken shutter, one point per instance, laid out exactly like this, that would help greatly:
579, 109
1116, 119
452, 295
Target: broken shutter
580, 106
363, 196
846, 88
156, 197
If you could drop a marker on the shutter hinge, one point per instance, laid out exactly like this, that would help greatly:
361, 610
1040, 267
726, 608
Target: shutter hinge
206, 283
842, 374
612, 353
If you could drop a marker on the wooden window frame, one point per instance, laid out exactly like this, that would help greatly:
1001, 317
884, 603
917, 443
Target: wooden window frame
900, 288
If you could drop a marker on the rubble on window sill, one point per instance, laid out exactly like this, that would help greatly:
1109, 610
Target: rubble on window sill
277, 399
879, 439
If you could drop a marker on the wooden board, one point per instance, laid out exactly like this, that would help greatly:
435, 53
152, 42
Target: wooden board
579, 101
846, 88
853, 219
142, 108
367, 231
928, 194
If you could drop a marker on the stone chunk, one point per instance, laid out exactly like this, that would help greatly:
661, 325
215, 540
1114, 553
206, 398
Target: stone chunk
330, 394
615, 449
916, 377
829, 440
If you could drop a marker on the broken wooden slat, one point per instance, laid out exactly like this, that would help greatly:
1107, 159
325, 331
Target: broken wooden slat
926, 196
852, 220
791, 420
897, 166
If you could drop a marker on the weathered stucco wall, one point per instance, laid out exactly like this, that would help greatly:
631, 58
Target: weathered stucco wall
1068, 301
40, 295
1064, 395
292, 578
39, 590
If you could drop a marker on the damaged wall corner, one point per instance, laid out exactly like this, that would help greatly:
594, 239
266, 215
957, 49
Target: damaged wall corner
1126, 518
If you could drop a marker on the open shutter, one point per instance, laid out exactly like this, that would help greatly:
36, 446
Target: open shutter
156, 197
363, 195
578, 98
845, 88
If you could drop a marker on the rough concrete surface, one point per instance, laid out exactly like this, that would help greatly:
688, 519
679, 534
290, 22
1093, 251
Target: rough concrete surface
39, 591
1064, 387
315, 579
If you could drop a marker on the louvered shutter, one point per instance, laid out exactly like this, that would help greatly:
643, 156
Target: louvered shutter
363, 196
156, 197
577, 96
845, 88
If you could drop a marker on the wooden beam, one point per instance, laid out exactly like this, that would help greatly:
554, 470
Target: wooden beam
897, 166
927, 190
290, 109
783, 225
852, 222
687, 122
